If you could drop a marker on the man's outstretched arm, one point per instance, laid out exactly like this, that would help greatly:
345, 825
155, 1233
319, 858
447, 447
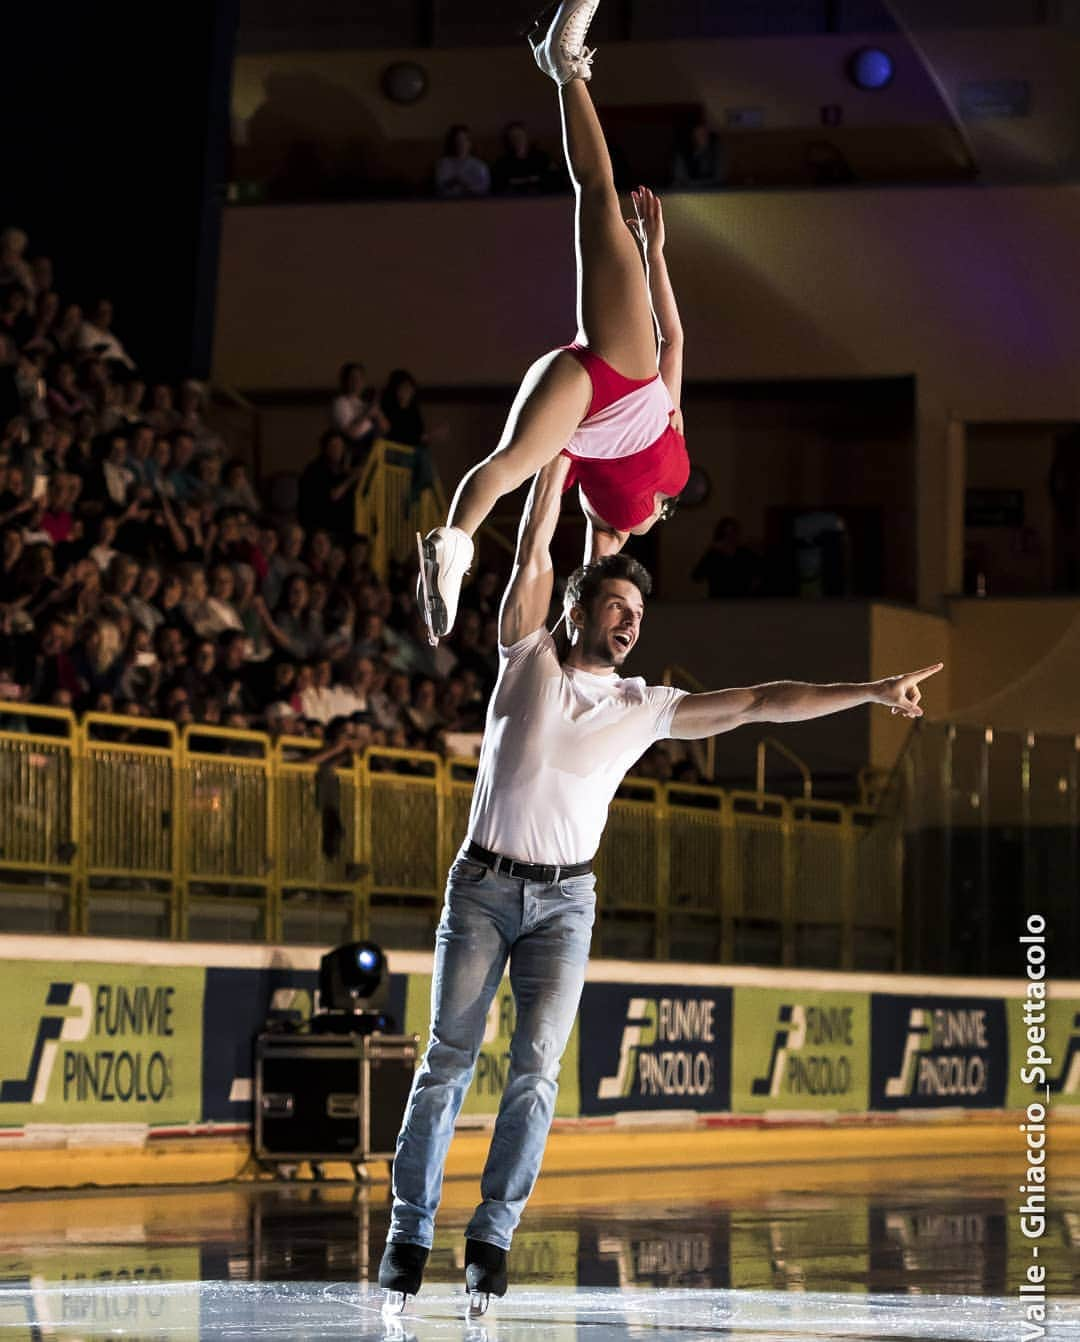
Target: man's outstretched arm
701, 715
528, 596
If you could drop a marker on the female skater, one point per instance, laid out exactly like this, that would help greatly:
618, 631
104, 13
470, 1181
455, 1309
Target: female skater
601, 401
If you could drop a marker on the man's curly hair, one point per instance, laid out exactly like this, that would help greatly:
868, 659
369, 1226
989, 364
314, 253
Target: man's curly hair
584, 583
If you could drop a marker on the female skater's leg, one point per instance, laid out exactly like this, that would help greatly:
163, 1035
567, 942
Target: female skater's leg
551, 402
614, 313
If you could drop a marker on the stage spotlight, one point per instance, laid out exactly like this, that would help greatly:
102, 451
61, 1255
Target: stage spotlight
350, 976
870, 68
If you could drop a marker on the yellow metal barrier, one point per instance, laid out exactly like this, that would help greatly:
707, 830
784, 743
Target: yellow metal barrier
460, 775
322, 898
228, 835
385, 509
39, 794
129, 810
405, 837
120, 826
700, 887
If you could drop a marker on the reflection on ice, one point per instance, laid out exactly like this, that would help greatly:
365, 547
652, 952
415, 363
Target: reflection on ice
215, 1310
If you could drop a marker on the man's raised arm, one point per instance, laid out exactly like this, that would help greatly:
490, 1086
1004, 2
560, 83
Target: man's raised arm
527, 598
701, 715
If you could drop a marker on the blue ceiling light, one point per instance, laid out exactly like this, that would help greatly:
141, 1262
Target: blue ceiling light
870, 68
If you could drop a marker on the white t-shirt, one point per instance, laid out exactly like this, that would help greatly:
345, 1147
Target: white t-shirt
557, 743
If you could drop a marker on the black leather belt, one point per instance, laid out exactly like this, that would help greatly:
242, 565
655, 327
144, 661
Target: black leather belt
525, 871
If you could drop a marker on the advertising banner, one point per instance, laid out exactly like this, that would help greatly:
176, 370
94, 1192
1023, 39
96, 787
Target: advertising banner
800, 1049
772, 1250
86, 1292
100, 1043
918, 1246
238, 1004
655, 1046
937, 1052
493, 1061
1060, 1019
631, 1254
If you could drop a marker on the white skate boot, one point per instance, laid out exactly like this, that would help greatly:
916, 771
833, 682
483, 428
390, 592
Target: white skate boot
445, 556
561, 51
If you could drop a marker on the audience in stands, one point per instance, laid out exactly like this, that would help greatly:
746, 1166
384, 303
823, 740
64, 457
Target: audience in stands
140, 572
523, 168
459, 172
729, 568
700, 160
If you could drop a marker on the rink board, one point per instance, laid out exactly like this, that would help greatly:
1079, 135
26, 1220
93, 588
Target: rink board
126, 1044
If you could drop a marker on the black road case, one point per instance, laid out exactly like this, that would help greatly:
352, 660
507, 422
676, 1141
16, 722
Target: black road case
331, 1097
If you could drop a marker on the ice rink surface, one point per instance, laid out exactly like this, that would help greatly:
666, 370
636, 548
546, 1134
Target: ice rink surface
892, 1249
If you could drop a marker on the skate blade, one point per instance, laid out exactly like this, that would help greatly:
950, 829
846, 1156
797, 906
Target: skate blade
478, 1304
426, 606
395, 1302
540, 22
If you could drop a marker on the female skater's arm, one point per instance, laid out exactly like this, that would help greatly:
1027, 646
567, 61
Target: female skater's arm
528, 597
600, 537
649, 226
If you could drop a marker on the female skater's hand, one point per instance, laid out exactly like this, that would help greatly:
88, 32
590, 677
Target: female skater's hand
648, 222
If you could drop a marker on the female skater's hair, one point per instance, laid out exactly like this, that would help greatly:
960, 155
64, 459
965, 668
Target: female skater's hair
584, 583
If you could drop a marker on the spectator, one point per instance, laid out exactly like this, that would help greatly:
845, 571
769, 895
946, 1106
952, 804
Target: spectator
356, 696
459, 172
118, 476
58, 520
96, 660
482, 595
54, 670
133, 394
15, 503
700, 160
182, 479
405, 425
14, 268
141, 602
390, 704
284, 562
190, 418
290, 627
422, 712
64, 396
827, 165
96, 336
523, 168
66, 332
104, 551
46, 315
237, 490
319, 699
404, 421
236, 694
728, 568
328, 488
158, 469
353, 413
10, 567
140, 675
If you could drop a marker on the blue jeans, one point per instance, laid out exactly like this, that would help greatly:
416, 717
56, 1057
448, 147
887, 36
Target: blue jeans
544, 931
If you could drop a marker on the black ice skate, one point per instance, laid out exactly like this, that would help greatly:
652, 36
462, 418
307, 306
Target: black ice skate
400, 1274
485, 1274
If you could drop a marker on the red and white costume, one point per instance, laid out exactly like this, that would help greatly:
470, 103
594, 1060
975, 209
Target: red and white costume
625, 451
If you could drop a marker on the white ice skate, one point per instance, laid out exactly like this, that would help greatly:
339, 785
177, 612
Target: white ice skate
561, 51
445, 556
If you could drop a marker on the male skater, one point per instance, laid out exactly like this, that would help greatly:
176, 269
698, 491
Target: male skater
559, 736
